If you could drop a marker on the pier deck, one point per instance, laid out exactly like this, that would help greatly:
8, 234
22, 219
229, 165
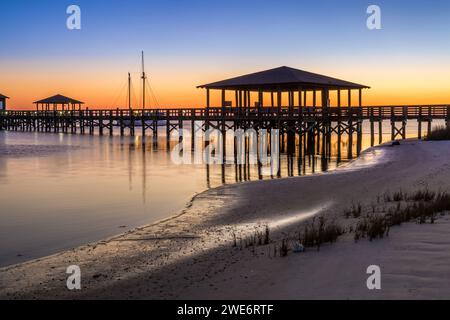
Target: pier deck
294, 119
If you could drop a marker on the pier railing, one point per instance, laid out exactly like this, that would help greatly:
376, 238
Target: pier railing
227, 113
290, 119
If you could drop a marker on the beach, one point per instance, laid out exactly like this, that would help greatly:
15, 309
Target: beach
191, 255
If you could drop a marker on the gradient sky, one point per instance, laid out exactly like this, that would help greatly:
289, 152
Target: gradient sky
188, 43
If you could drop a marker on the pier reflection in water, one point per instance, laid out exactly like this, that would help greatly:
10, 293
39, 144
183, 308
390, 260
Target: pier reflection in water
308, 154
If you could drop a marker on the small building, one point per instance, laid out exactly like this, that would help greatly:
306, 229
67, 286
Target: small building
300, 87
3, 101
58, 102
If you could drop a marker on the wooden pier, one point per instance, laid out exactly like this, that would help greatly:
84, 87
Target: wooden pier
294, 120
308, 114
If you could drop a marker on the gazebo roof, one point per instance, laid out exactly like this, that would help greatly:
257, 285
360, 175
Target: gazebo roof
58, 99
3, 96
283, 78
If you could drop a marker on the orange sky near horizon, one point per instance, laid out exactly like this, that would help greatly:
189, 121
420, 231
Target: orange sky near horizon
104, 85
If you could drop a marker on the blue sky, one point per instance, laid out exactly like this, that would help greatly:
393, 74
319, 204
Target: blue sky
215, 38
201, 28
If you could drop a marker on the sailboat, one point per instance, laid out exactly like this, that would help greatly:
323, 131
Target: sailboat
137, 122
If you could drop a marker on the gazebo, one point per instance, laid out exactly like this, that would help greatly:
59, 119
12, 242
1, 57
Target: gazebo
52, 103
300, 87
3, 102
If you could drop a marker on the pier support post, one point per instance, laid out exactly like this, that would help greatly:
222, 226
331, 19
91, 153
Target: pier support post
350, 131
180, 126
122, 128
111, 123
380, 131
372, 133
359, 137
419, 129
100, 121
144, 125
392, 130
167, 130
193, 135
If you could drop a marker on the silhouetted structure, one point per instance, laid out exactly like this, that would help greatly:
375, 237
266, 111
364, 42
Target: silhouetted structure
3, 102
310, 124
52, 103
296, 83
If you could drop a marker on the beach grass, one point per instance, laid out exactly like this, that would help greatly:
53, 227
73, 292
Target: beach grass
441, 133
284, 249
371, 222
320, 231
260, 237
422, 206
355, 211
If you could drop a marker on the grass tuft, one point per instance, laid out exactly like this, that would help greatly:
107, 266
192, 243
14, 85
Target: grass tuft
284, 249
355, 211
372, 227
422, 195
439, 134
422, 206
316, 234
258, 238
425, 206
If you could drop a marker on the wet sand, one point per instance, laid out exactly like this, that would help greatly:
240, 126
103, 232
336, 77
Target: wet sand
190, 256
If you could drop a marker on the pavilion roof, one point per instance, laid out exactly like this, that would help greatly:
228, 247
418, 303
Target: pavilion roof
58, 99
283, 78
3, 96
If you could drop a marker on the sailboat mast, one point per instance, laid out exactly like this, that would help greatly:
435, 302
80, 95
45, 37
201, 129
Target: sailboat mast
144, 78
129, 91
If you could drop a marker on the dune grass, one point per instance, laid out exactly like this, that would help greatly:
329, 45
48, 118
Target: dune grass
375, 222
260, 237
320, 231
421, 206
355, 211
371, 222
441, 133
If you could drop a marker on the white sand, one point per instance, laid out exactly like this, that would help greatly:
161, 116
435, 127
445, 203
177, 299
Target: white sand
203, 265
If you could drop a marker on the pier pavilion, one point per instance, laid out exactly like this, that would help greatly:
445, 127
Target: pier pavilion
301, 87
58, 102
3, 102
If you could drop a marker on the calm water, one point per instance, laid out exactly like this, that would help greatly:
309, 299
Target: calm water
60, 191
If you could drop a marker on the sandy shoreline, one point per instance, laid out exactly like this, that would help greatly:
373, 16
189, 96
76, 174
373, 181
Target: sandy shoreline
190, 256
